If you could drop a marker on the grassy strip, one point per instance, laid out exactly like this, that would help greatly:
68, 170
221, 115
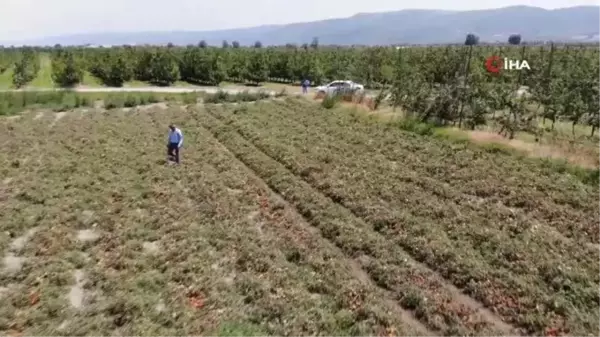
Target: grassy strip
416, 288
61, 100
586, 175
244, 96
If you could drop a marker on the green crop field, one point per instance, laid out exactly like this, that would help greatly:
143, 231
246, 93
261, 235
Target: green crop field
285, 218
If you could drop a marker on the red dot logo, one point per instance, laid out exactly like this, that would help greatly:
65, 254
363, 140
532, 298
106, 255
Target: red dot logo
494, 64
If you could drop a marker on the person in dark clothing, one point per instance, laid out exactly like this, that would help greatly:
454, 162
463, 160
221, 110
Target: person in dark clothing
305, 85
175, 142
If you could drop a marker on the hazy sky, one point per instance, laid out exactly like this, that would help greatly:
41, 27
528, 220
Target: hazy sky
24, 19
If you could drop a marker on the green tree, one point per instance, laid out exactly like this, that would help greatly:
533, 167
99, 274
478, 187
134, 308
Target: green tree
471, 40
5, 61
311, 67
142, 67
258, 70
25, 68
118, 69
238, 66
514, 39
278, 68
315, 43
114, 67
164, 69
217, 71
66, 71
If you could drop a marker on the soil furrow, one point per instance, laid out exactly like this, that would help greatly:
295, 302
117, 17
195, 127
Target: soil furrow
458, 296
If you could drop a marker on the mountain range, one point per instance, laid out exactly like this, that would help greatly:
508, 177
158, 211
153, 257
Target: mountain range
574, 24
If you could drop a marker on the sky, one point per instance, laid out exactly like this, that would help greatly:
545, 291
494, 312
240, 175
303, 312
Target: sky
31, 19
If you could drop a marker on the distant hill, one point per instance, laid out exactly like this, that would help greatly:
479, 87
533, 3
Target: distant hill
399, 27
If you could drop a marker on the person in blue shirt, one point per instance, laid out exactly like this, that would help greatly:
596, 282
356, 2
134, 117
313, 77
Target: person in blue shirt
175, 142
305, 85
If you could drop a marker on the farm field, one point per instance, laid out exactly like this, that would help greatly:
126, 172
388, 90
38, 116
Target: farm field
285, 218
123, 244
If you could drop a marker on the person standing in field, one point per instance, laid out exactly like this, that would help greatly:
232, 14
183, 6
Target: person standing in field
305, 85
175, 142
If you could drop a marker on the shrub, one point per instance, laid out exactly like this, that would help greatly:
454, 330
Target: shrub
416, 126
131, 101
218, 97
114, 101
330, 101
190, 98
69, 101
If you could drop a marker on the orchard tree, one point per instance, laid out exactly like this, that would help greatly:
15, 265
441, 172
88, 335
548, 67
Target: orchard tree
514, 39
5, 61
66, 72
114, 67
337, 63
164, 70
202, 44
142, 67
314, 71
206, 66
315, 43
295, 65
189, 64
20, 75
217, 71
25, 68
238, 65
117, 69
278, 68
471, 40
258, 44
235, 44
225, 44
258, 69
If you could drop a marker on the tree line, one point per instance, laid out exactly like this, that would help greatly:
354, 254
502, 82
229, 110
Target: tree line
448, 84
373, 66
452, 85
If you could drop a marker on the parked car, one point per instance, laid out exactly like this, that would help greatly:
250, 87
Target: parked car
340, 87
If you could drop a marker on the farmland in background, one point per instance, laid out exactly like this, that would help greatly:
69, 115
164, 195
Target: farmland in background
447, 85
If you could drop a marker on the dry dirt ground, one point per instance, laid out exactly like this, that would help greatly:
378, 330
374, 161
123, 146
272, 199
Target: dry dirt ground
287, 219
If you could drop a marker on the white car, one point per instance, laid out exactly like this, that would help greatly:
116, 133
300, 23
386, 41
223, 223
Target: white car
339, 87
